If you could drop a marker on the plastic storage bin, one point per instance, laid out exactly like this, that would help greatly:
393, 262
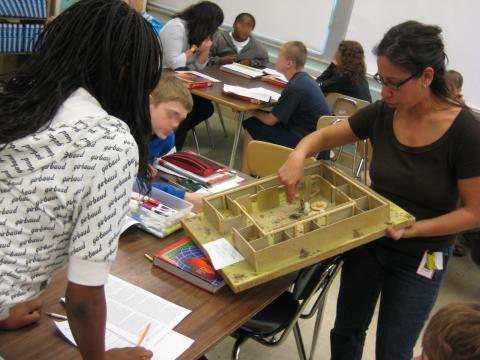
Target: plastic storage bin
156, 224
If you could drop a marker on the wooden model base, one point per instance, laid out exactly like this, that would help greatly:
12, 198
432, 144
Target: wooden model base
333, 214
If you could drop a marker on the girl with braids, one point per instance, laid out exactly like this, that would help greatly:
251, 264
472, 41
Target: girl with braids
186, 41
425, 156
346, 74
74, 127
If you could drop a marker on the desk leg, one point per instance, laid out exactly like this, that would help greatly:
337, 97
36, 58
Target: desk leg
238, 117
220, 116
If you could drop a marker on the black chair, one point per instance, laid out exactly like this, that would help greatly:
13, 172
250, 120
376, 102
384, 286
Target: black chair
272, 325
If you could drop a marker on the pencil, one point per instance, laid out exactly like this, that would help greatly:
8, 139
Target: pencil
57, 316
148, 257
144, 334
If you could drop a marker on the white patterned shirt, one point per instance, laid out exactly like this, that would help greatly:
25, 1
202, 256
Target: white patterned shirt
64, 192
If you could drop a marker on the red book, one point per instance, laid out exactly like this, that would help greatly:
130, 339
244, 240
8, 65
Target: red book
271, 79
185, 260
193, 81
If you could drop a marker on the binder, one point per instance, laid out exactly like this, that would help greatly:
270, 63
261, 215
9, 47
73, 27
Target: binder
30, 11
9, 9
3, 8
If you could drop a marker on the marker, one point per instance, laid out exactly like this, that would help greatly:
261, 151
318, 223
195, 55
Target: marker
57, 316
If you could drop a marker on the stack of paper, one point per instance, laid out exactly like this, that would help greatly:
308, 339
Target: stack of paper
129, 310
275, 73
258, 93
242, 70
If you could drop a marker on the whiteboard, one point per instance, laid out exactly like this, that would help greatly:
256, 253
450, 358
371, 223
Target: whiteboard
370, 19
280, 21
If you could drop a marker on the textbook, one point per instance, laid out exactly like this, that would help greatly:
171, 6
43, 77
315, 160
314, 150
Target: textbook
185, 260
274, 80
192, 80
257, 95
242, 70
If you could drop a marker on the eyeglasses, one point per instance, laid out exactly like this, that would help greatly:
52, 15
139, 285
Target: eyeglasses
389, 84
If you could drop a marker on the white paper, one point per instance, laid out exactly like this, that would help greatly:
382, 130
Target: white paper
168, 348
222, 253
199, 74
250, 93
127, 222
222, 186
260, 90
275, 73
129, 310
252, 72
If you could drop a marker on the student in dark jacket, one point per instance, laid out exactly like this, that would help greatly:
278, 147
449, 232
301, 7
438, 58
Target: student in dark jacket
238, 45
347, 72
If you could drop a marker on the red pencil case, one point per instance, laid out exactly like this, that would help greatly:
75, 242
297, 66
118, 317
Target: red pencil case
193, 163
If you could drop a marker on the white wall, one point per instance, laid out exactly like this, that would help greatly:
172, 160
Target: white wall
305, 20
309, 21
370, 19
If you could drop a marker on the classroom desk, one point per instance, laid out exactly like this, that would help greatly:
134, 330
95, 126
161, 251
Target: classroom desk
213, 317
240, 107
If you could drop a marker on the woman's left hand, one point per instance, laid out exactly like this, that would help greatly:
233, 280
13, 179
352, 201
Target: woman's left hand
23, 314
205, 46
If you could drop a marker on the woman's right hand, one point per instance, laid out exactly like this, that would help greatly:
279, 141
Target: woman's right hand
291, 174
129, 353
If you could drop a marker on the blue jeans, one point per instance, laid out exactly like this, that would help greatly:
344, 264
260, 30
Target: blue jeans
406, 301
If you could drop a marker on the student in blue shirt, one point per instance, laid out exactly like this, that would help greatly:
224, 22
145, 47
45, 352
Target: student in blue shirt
170, 102
297, 111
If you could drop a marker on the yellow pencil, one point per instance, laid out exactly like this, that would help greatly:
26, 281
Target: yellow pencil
144, 334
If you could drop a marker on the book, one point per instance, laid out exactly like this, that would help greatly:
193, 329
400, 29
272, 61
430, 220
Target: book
257, 95
192, 80
185, 260
272, 79
242, 70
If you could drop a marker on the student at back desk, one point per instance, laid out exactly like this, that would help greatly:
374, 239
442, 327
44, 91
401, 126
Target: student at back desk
296, 113
238, 45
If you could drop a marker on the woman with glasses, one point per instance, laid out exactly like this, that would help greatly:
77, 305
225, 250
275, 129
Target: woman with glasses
425, 156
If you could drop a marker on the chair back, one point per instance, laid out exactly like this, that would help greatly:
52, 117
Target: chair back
312, 278
265, 158
343, 105
327, 120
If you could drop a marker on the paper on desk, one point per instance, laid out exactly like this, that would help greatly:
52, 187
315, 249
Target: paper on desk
275, 73
199, 74
130, 308
222, 186
246, 92
247, 70
168, 348
222, 253
260, 90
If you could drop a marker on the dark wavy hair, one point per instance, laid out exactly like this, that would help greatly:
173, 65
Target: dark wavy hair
203, 20
103, 46
414, 46
351, 61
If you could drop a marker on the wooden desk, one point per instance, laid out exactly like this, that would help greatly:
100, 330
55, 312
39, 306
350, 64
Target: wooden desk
240, 107
213, 317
